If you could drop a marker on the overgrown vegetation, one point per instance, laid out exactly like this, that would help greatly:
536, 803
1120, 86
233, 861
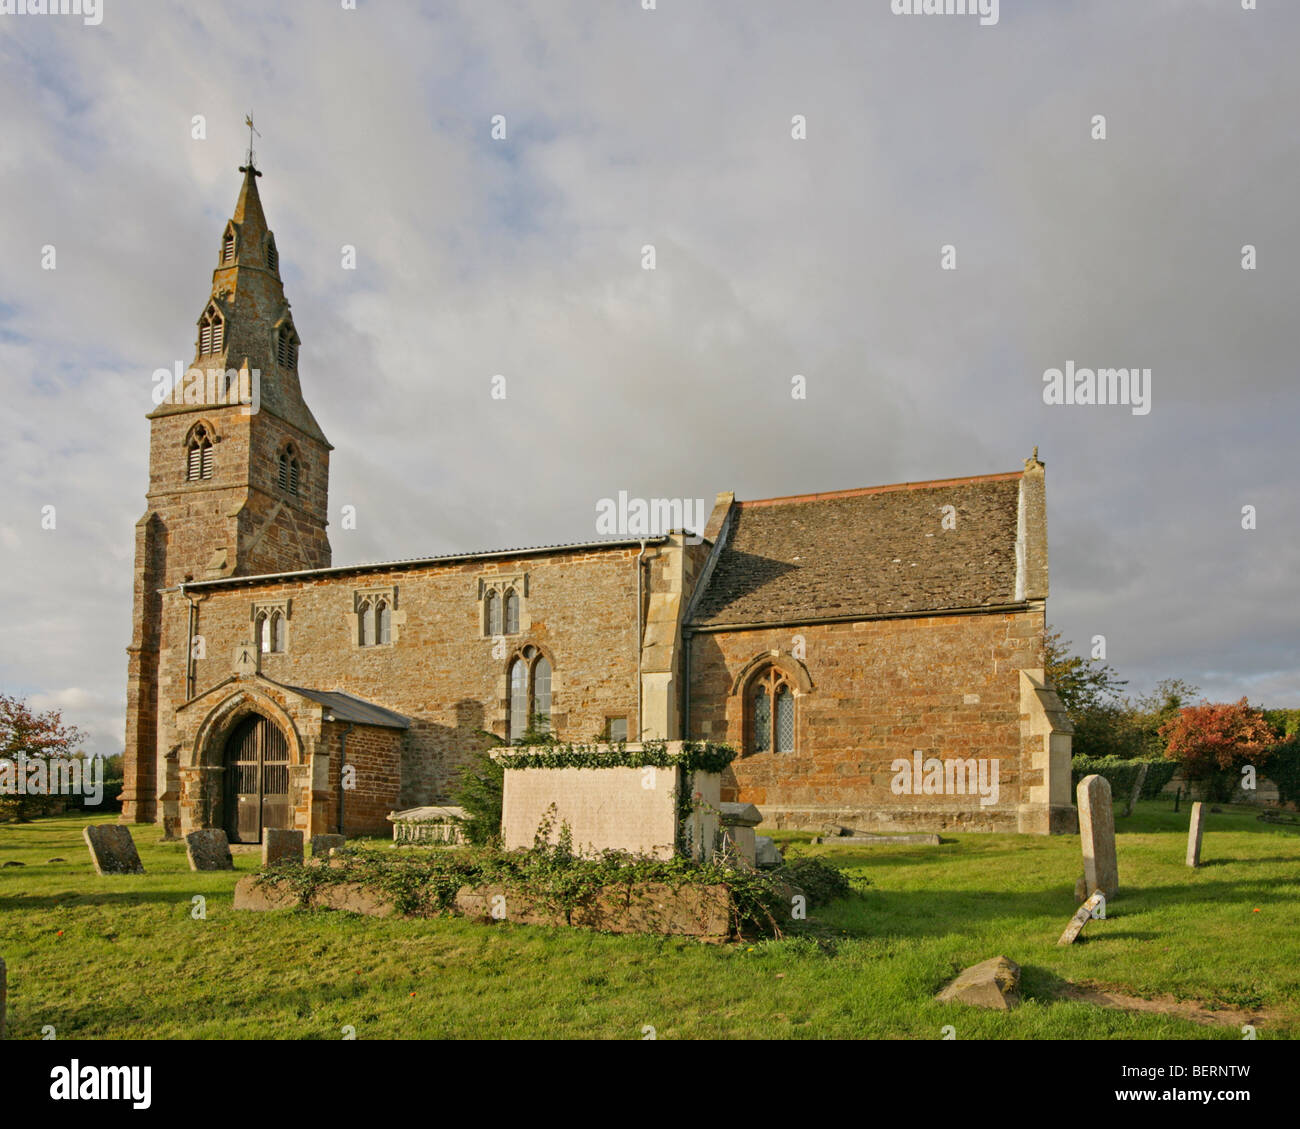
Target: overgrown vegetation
554, 877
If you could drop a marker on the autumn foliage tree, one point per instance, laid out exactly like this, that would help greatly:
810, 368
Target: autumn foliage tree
26, 733
1214, 740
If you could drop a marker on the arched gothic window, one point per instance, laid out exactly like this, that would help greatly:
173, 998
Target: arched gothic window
529, 679
512, 612
198, 455
212, 332
491, 613
374, 621
271, 632
289, 470
286, 348
769, 713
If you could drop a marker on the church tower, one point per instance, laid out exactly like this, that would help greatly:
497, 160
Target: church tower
238, 474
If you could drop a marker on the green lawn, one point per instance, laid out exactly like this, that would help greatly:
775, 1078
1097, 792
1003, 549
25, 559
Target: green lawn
122, 957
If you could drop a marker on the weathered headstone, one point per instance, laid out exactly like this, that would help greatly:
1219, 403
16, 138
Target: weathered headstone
278, 843
1194, 831
321, 845
112, 849
993, 983
1097, 831
1081, 918
1136, 793
766, 854
208, 849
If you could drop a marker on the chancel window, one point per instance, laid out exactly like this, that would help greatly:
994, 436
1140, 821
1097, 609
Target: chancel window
770, 713
529, 680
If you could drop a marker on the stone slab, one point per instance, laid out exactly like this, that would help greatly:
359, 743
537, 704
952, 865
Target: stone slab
993, 983
1097, 834
878, 840
280, 844
1195, 830
321, 845
739, 815
208, 849
1081, 918
250, 895
112, 849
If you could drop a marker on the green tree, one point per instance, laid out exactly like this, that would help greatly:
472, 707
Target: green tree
26, 736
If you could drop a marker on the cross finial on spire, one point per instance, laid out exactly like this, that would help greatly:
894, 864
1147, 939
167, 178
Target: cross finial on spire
252, 129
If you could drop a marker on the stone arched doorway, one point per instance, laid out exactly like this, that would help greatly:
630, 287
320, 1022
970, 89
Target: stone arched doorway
256, 763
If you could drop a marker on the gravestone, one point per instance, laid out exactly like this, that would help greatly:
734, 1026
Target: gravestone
1097, 832
280, 844
208, 849
112, 849
1136, 793
321, 845
1081, 918
1194, 832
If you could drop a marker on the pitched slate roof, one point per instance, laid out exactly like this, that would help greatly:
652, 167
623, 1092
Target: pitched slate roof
348, 707
877, 551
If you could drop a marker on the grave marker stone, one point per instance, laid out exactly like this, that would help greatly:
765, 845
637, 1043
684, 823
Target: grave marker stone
1136, 793
278, 843
112, 849
321, 845
1081, 918
1194, 832
1097, 832
208, 849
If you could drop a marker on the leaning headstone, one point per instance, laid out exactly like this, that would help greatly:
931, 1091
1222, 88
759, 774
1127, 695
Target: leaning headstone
321, 845
208, 849
112, 849
1081, 918
1136, 794
1194, 832
1097, 831
993, 983
280, 844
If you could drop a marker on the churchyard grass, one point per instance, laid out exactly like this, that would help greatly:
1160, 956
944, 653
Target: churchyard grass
123, 957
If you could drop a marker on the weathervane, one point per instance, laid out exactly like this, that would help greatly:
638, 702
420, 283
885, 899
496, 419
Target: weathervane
248, 121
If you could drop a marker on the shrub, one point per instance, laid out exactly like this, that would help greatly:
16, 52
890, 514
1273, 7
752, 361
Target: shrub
1122, 772
817, 878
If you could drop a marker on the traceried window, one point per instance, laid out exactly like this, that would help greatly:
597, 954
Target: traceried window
198, 455
212, 332
512, 612
374, 619
529, 677
286, 348
271, 631
504, 600
289, 470
769, 707
492, 613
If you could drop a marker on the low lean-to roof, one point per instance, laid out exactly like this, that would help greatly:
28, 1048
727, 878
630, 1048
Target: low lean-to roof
420, 562
873, 552
348, 707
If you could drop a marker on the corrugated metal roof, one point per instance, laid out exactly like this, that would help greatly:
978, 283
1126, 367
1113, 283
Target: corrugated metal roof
347, 707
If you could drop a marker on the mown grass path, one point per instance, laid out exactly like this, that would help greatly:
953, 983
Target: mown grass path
123, 957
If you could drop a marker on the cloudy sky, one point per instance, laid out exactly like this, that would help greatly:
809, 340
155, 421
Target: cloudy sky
775, 256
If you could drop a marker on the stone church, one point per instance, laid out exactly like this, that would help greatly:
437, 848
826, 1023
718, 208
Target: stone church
854, 646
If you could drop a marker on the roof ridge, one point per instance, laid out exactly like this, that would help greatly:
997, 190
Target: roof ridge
863, 490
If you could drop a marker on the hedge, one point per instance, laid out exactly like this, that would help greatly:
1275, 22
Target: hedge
1122, 773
